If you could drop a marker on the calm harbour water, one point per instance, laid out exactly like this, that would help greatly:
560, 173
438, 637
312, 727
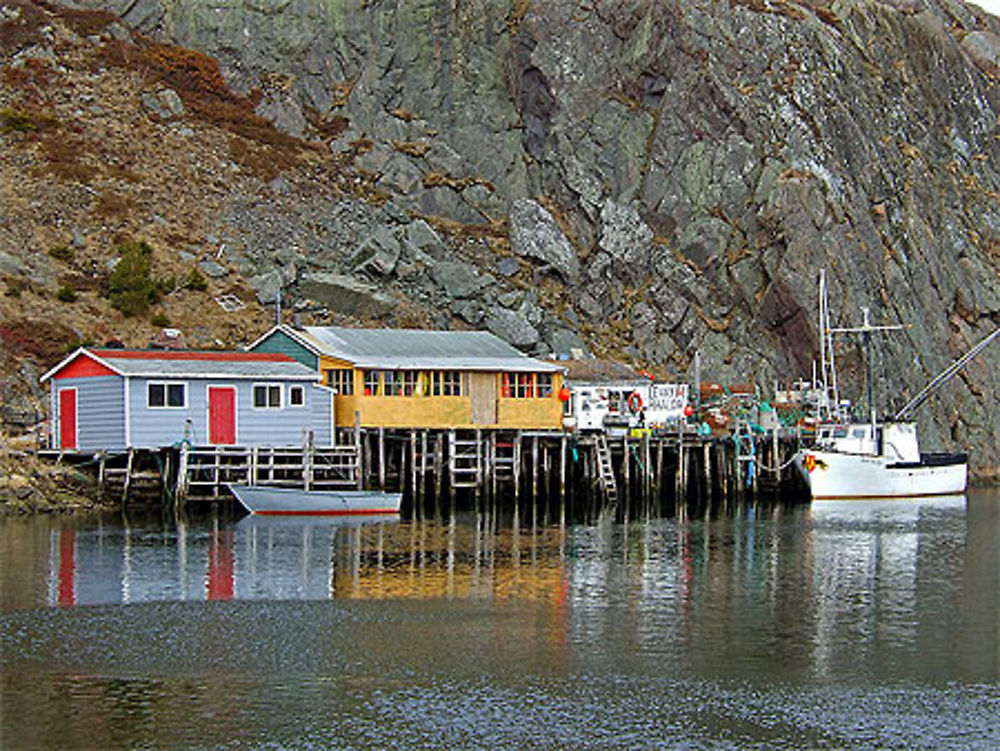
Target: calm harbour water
844, 626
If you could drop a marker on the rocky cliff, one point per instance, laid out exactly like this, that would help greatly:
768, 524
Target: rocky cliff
644, 180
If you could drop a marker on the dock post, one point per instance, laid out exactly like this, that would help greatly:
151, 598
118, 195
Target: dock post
307, 461
479, 460
413, 462
381, 458
658, 476
492, 453
423, 459
626, 469
100, 474
517, 466
776, 455
128, 474
547, 468
359, 464
451, 460
534, 467
182, 475
563, 456
438, 464
680, 489
647, 474
707, 462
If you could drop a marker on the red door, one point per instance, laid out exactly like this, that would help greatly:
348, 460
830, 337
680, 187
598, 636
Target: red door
221, 415
67, 419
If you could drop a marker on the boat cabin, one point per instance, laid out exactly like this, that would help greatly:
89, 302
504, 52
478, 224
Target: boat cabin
409, 378
114, 399
896, 441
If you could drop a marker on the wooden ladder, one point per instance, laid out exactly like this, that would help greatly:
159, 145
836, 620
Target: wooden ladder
506, 457
465, 461
605, 469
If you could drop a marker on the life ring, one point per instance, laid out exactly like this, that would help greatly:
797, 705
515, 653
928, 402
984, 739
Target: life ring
634, 402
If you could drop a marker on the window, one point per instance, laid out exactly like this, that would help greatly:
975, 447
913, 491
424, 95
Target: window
410, 379
166, 395
435, 389
296, 396
266, 396
519, 385
392, 382
372, 383
342, 380
451, 383
543, 385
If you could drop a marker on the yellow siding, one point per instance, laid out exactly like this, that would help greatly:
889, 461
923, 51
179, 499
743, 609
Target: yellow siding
533, 414
404, 411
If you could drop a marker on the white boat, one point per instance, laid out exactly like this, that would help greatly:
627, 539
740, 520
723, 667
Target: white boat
877, 461
294, 501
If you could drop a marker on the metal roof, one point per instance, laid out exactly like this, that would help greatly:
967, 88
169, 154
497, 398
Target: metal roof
198, 364
411, 349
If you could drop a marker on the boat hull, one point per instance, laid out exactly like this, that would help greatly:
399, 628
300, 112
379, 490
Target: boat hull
832, 475
268, 501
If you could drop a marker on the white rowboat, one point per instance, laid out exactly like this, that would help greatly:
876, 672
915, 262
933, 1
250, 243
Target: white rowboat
294, 501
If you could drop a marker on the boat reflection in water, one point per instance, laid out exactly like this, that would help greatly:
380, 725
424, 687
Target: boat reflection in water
867, 556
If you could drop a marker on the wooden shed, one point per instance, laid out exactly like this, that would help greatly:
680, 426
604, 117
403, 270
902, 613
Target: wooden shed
112, 399
408, 378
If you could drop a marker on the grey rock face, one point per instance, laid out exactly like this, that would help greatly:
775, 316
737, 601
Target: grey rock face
212, 268
535, 234
459, 280
346, 295
512, 326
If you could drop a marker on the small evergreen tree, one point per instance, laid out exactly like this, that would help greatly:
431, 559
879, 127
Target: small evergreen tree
132, 286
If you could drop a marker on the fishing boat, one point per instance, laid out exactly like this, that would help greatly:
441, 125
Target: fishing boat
873, 459
294, 501
878, 460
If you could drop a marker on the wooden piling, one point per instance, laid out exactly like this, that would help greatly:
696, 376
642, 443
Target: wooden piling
534, 466
128, 474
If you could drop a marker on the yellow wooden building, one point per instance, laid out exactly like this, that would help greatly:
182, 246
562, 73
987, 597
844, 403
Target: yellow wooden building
409, 378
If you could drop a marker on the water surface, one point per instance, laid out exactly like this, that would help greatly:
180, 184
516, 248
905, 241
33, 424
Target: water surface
836, 626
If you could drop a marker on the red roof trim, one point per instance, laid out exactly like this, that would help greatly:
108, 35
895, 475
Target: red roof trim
83, 366
163, 354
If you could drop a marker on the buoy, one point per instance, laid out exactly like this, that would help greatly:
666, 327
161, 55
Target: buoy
635, 402
564, 394
688, 410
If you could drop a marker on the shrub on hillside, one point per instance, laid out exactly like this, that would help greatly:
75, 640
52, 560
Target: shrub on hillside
132, 285
66, 294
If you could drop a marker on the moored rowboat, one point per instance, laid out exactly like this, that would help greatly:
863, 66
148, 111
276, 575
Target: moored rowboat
294, 501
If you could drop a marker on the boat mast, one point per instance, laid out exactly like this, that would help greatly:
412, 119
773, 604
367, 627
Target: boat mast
828, 365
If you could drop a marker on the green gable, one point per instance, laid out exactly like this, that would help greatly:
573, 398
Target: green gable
280, 342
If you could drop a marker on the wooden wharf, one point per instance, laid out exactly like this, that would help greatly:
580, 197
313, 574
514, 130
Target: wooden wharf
679, 471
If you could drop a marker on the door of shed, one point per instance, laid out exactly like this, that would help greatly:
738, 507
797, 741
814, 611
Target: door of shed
67, 418
221, 415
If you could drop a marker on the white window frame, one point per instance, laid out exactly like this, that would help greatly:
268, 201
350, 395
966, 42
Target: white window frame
302, 390
267, 385
166, 394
